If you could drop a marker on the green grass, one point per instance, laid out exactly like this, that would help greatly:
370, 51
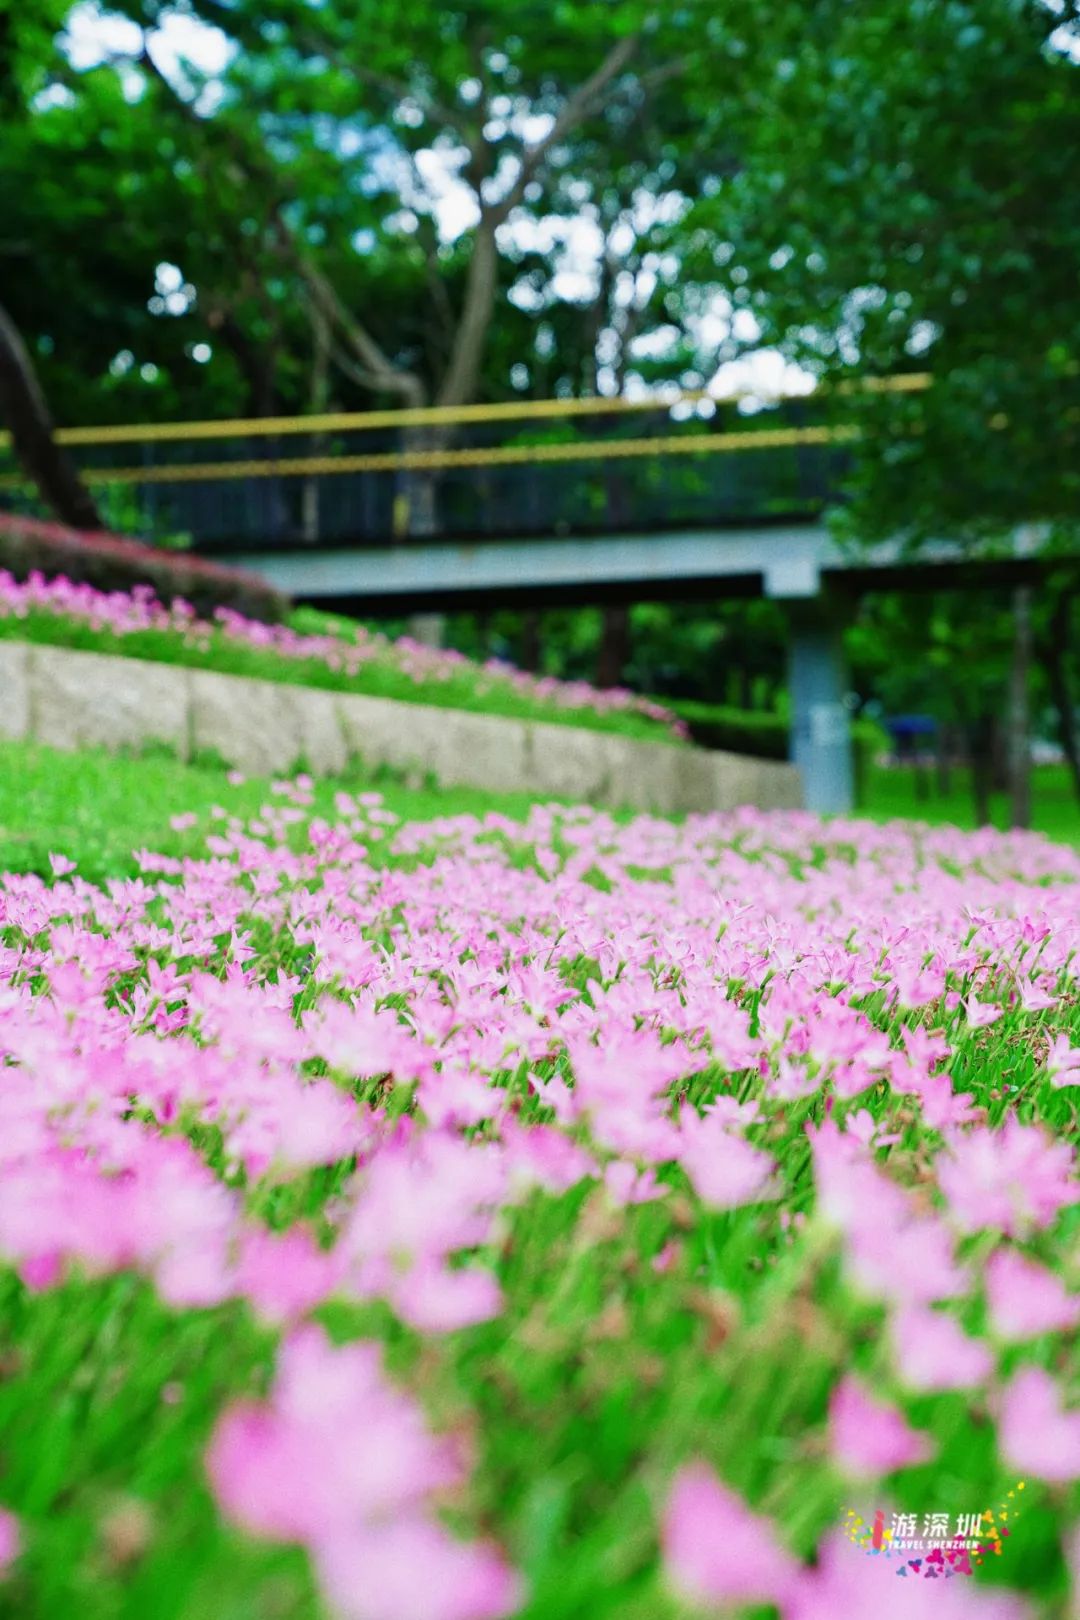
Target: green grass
105, 1409
891, 791
98, 808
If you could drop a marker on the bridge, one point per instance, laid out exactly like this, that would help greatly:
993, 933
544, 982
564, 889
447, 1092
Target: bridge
536, 503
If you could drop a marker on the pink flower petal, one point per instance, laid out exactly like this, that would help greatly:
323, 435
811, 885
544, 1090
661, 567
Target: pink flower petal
715, 1549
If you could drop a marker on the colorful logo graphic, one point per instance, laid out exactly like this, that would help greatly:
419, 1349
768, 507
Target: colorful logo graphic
936, 1545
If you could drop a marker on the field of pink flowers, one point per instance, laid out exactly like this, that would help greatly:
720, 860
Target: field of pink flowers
559, 1218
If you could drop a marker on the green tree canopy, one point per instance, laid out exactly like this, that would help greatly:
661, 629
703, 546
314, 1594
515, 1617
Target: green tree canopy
907, 202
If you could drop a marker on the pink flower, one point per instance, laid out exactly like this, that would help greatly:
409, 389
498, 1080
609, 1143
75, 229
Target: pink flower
870, 1438
1036, 1435
10, 1540
1025, 1299
1013, 1178
933, 1353
1035, 999
342, 1462
283, 1275
61, 866
1063, 1062
724, 1169
626, 1184
981, 1013
715, 1549
847, 1585
336, 1446
412, 1569
436, 1299
910, 1263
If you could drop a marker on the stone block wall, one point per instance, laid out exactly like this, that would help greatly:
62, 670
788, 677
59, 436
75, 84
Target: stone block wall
84, 699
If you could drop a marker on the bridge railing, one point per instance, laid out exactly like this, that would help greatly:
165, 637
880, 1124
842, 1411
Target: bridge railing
548, 467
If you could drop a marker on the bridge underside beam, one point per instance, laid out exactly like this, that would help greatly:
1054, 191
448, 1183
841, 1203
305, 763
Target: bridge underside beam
616, 593
786, 564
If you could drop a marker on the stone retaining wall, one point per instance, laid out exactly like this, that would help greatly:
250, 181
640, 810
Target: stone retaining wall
84, 699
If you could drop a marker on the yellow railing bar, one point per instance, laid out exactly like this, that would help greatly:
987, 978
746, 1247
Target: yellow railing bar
495, 456
254, 427
523, 410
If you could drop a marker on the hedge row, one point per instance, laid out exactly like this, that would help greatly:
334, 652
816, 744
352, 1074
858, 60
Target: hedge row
110, 563
739, 731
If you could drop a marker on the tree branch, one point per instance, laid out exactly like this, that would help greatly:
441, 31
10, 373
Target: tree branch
466, 352
390, 85
364, 347
356, 374
23, 406
325, 300
665, 72
578, 106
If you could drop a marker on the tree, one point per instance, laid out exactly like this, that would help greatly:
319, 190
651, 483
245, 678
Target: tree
25, 45
907, 202
505, 110
23, 407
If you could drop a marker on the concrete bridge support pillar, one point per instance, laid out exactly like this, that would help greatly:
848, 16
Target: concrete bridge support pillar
820, 721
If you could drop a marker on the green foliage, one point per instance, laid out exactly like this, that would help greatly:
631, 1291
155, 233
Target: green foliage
296, 196
106, 1406
741, 731
873, 189
906, 203
942, 653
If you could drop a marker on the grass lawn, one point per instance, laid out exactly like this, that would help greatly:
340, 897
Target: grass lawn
99, 808
891, 791
427, 1206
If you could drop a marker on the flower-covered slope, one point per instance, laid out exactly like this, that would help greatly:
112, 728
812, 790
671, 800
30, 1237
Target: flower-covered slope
347, 657
578, 1217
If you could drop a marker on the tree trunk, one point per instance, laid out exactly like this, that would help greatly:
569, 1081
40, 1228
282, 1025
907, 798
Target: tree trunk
921, 778
257, 361
980, 745
416, 499
1057, 670
318, 400
266, 508
416, 517
944, 760
614, 646
998, 745
24, 408
1018, 745
458, 386
531, 646
416, 502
